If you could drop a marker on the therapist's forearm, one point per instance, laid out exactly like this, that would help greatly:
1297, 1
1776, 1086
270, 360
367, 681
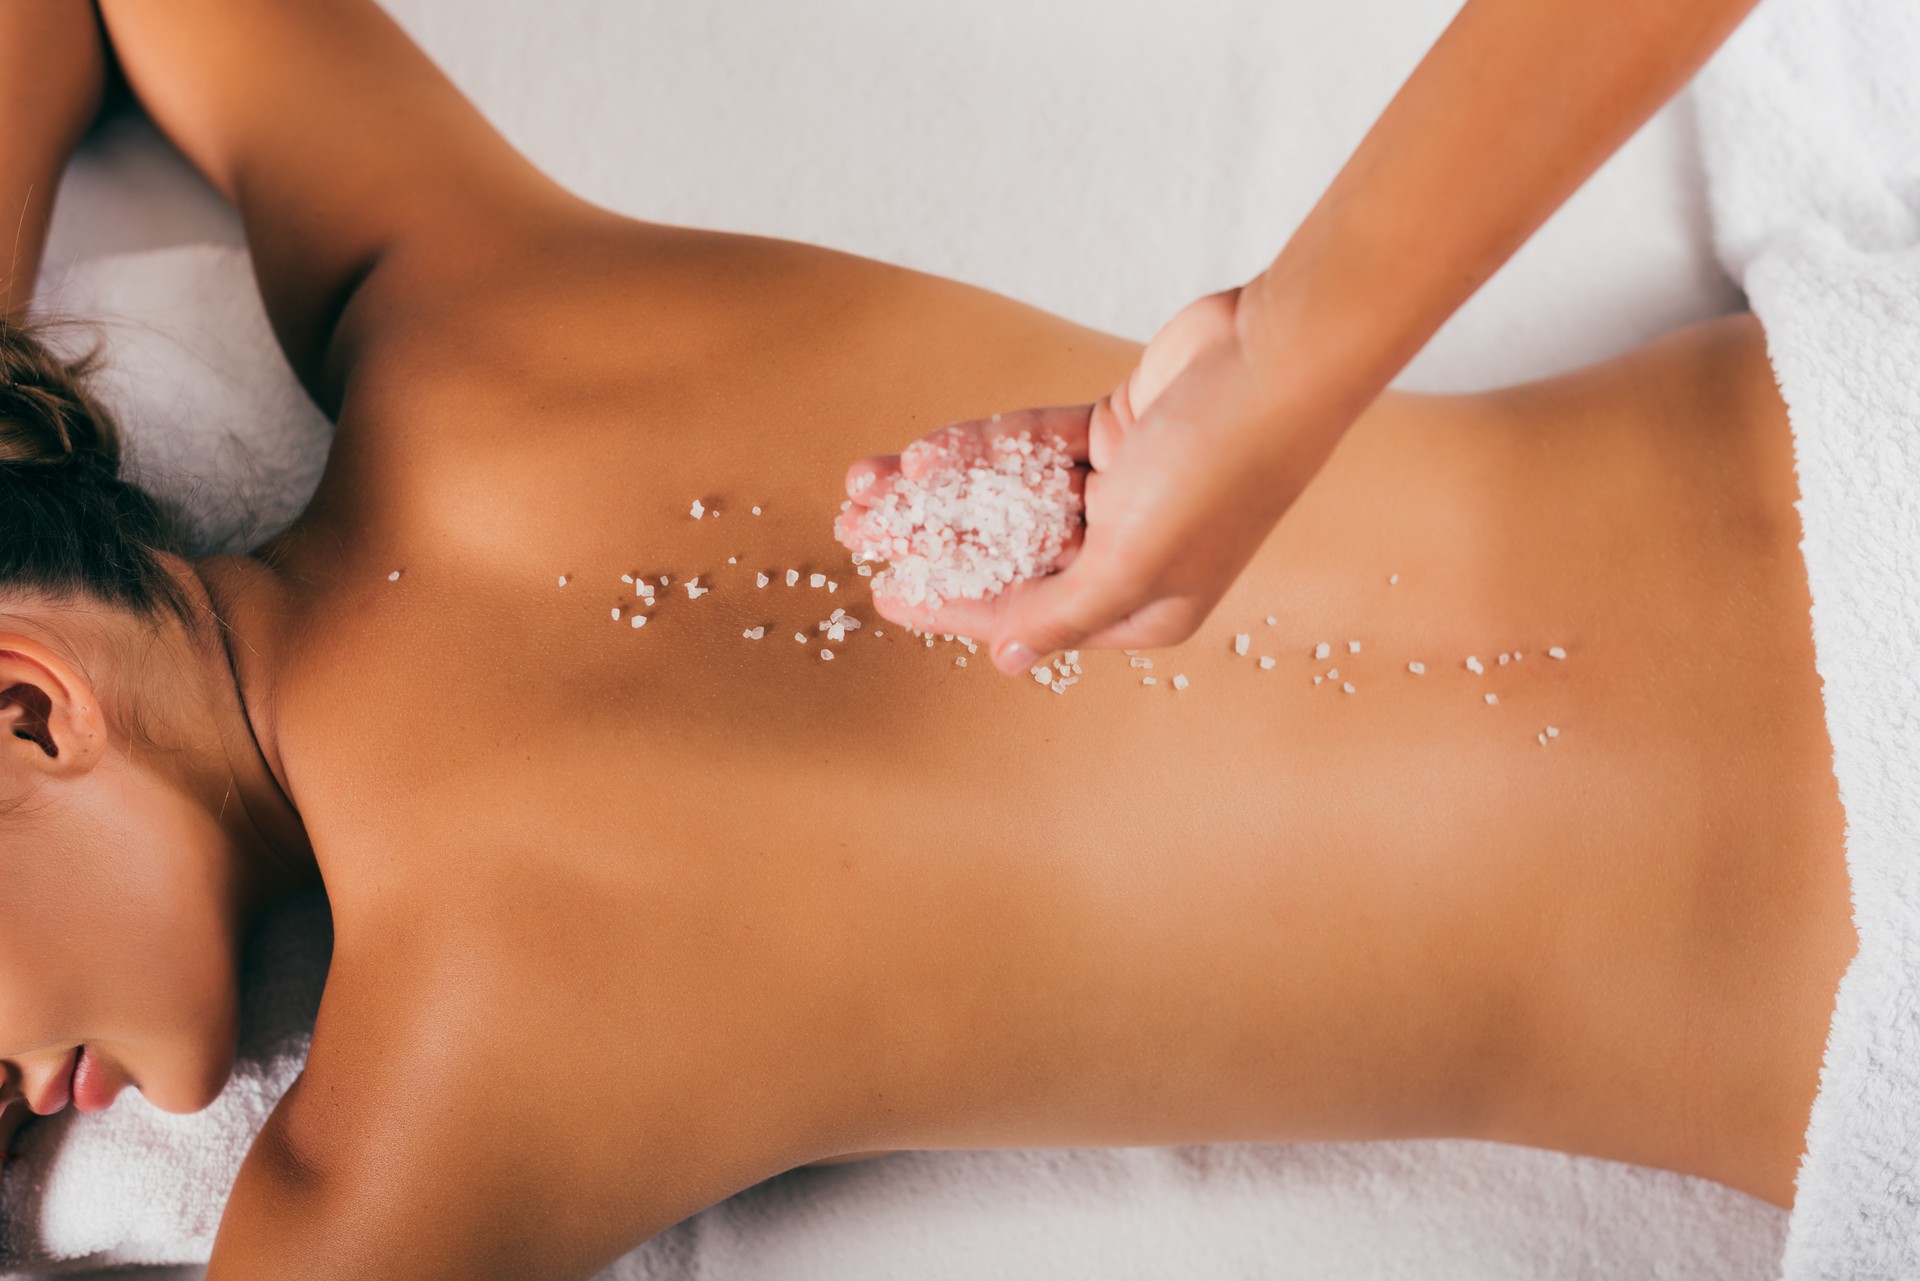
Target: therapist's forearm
1513, 108
52, 73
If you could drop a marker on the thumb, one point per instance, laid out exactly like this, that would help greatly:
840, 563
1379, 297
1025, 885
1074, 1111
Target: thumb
1058, 612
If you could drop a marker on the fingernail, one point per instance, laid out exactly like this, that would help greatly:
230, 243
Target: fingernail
1015, 658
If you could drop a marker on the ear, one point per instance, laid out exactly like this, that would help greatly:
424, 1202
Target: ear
51, 723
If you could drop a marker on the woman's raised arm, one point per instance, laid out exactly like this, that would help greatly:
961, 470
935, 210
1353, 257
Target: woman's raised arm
53, 65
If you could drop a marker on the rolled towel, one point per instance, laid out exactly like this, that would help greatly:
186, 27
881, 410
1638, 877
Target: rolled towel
1810, 128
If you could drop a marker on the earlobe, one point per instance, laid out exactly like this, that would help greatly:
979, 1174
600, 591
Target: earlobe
50, 721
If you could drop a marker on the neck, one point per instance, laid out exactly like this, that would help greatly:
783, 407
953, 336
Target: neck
242, 647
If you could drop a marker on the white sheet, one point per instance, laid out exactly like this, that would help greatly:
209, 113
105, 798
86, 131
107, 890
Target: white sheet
1108, 161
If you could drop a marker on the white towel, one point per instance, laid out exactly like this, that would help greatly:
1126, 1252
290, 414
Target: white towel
1810, 124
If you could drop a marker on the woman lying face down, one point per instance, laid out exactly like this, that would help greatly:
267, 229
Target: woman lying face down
705, 899
136, 805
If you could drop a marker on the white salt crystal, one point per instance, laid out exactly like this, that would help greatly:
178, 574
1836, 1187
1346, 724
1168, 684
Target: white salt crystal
637, 620
832, 586
1072, 656
1179, 682
865, 571
761, 580
1492, 699
1323, 650
1392, 579
1145, 664
563, 580
1318, 679
756, 511
1353, 647
960, 661
826, 656
698, 510
793, 576
816, 580
394, 577
1129, 652
1271, 620
977, 517
801, 637
836, 633
754, 633
626, 578
1474, 666
1333, 673
663, 582
1149, 680
733, 560
1240, 643
1266, 663
1417, 668
616, 613
1347, 686
877, 633
1542, 738
1553, 731
1556, 652
1041, 676
1505, 659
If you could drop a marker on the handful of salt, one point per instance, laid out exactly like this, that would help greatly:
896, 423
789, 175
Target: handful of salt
967, 517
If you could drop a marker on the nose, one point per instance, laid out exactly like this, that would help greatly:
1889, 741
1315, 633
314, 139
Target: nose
47, 1087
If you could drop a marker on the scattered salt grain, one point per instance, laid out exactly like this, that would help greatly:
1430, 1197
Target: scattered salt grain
1492, 699
832, 586
733, 560
1393, 580
1240, 643
1333, 673
1266, 663
1353, 647
1505, 659
616, 613
836, 633
877, 633
563, 580
793, 577
761, 580
1556, 652
1475, 666
960, 661
637, 620
1179, 682
1073, 657
865, 571
1553, 731
394, 577
756, 511
698, 510
663, 582
754, 633
1542, 738
1318, 679
1041, 676
826, 656
1347, 686
1144, 664
626, 578
801, 637
1271, 620
816, 580
1417, 668
975, 518
1323, 650
694, 590
1149, 680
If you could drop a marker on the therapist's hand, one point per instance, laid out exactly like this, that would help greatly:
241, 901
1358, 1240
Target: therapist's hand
1191, 462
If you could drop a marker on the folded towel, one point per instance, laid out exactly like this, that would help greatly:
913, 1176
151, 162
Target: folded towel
1810, 125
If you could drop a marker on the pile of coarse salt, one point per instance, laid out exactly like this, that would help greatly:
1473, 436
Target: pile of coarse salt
981, 516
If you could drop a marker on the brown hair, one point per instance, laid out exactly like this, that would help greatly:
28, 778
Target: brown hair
68, 523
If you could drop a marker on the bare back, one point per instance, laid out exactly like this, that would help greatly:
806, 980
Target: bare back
709, 906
